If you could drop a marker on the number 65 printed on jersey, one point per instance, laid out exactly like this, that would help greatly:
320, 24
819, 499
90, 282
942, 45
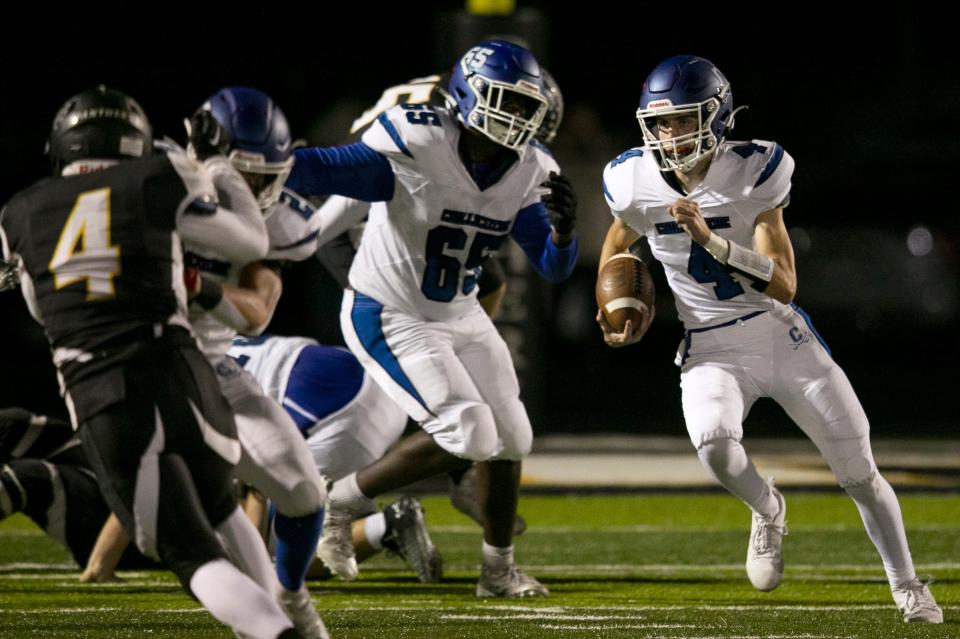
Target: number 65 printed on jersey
441, 277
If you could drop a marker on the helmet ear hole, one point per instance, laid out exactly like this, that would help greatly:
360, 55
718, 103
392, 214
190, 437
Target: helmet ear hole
98, 123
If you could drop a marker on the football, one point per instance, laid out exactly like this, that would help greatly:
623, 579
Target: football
625, 292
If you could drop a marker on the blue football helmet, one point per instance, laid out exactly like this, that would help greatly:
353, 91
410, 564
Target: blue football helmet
255, 137
496, 88
691, 86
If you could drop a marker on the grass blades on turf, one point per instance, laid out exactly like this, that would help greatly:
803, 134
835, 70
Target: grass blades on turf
634, 566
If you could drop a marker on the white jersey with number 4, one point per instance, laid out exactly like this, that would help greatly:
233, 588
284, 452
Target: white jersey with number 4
744, 180
420, 250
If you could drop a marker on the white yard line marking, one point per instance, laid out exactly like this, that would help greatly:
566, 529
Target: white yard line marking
801, 636
759, 606
92, 609
642, 528
68, 572
33, 565
529, 616
620, 626
803, 568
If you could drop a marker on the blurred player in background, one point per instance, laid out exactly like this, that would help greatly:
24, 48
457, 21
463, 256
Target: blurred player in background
712, 211
412, 318
348, 422
45, 474
249, 129
98, 249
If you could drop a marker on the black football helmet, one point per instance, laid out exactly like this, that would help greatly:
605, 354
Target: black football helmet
98, 123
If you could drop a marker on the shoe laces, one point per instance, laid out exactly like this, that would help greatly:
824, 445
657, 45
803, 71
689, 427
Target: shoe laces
338, 527
763, 537
917, 593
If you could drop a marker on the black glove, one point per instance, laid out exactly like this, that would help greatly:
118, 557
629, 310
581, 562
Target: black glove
207, 137
561, 202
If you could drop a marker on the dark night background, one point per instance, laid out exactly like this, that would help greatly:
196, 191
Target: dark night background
868, 107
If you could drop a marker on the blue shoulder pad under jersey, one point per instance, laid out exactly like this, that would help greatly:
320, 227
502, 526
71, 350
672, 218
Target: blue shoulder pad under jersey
354, 170
532, 231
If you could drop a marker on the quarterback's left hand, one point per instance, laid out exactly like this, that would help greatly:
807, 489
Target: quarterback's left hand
561, 203
688, 216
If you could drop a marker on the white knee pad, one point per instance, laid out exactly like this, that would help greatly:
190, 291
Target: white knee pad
304, 498
516, 434
723, 456
864, 491
851, 461
479, 433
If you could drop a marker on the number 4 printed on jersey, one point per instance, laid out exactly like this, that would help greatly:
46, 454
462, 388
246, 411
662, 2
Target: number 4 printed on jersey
83, 252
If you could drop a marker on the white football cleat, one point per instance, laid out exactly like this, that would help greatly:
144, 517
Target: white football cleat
335, 549
764, 553
508, 581
915, 601
299, 607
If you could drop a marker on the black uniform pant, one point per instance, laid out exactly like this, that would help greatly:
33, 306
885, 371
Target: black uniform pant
163, 453
64, 500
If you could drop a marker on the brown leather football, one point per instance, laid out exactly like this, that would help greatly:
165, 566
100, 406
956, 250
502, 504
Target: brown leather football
625, 292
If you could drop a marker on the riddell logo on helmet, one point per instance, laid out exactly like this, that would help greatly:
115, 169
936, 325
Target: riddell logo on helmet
659, 104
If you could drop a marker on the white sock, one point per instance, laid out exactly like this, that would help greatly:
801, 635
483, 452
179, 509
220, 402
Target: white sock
727, 461
235, 600
880, 512
496, 556
246, 549
374, 527
346, 495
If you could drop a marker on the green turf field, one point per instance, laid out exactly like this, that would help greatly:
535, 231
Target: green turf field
618, 566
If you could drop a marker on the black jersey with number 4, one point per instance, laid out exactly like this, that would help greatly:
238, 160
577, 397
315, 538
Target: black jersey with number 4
102, 253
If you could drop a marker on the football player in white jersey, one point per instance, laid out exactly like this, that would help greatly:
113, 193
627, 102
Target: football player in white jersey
448, 187
348, 422
247, 127
712, 212
341, 225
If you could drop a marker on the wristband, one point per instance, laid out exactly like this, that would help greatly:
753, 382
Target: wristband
210, 293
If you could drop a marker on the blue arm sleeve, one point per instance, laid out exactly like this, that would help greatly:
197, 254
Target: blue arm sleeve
533, 233
354, 170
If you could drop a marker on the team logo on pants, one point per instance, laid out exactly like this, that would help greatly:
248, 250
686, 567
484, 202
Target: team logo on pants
799, 337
